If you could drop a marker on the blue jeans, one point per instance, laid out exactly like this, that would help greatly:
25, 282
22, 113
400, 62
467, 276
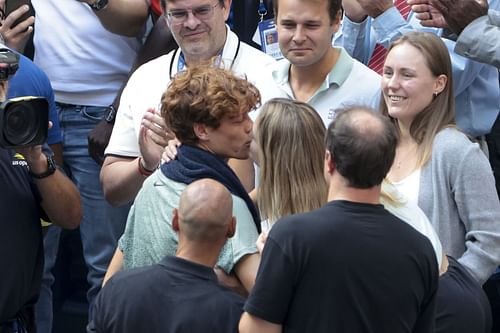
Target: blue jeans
101, 225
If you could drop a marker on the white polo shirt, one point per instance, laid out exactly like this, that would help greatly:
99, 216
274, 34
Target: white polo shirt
148, 83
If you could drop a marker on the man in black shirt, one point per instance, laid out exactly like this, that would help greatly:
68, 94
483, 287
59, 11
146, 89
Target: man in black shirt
349, 266
31, 188
181, 293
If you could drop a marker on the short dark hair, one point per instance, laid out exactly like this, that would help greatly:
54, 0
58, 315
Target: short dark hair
362, 144
204, 94
334, 6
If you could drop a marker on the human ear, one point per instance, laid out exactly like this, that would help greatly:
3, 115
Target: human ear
440, 83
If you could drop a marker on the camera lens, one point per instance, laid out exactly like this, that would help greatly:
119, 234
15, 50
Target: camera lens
21, 124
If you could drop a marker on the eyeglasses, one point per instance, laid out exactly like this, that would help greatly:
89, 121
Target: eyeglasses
202, 13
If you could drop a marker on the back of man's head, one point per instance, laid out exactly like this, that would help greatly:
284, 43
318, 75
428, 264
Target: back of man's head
362, 144
205, 212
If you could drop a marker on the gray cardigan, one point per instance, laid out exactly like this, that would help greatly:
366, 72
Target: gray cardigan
457, 193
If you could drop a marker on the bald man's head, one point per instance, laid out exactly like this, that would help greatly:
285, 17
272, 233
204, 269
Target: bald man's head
205, 212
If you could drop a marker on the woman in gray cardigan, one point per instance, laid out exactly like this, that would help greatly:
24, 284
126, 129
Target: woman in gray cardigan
440, 169
436, 165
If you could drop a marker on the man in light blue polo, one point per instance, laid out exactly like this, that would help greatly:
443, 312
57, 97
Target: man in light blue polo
313, 71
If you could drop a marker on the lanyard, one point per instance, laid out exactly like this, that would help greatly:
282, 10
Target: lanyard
262, 11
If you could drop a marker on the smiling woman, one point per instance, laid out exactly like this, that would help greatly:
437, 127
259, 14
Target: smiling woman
441, 170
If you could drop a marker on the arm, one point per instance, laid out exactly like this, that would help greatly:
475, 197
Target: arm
59, 197
16, 36
246, 270
122, 177
478, 207
123, 17
159, 42
115, 266
480, 40
249, 323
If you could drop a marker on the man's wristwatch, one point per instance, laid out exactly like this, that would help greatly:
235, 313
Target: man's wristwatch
52, 167
110, 115
99, 4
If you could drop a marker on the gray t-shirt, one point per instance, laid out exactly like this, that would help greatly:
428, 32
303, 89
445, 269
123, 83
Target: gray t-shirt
149, 236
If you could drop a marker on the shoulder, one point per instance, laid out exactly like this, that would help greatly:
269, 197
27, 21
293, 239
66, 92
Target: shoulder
258, 57
139, 278
360, 70
452, 144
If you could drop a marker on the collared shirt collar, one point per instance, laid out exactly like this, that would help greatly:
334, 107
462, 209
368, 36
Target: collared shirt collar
189, 267
337, 75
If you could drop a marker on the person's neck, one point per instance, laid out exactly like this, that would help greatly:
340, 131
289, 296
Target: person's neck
338, 190
206, 147
405, 138
306, 80
201, 253
193, 60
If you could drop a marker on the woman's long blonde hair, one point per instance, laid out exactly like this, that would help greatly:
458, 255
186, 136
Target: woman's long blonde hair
440, 113
290, 139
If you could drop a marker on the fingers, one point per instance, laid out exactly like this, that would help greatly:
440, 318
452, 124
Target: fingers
11, 19
417, 2
261, 241
420, 9
170, 151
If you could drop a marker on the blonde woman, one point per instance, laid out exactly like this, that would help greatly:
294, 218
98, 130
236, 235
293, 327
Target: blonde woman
290, 150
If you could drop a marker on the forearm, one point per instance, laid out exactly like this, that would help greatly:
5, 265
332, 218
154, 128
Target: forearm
246, 270
124, 17
249, 324
115, 266
121, 179
60, 200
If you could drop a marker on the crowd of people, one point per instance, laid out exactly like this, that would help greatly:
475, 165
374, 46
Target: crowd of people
352, 186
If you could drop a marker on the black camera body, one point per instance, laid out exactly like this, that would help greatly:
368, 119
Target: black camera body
9, 63
24, 122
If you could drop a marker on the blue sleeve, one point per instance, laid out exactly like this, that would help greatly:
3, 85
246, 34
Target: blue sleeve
485, 48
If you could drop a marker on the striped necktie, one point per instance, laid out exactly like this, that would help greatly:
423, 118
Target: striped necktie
376, 62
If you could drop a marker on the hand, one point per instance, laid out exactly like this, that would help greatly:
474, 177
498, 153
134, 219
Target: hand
153, 138
16, 36
170, 151
98, 140
428, 15
230, 281
261, 241
34, 156
375, 8
354, 11
459, 14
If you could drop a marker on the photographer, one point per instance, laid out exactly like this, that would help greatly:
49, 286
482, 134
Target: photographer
32, 188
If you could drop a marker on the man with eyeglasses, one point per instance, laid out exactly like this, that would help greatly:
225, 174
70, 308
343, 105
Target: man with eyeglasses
139, 134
